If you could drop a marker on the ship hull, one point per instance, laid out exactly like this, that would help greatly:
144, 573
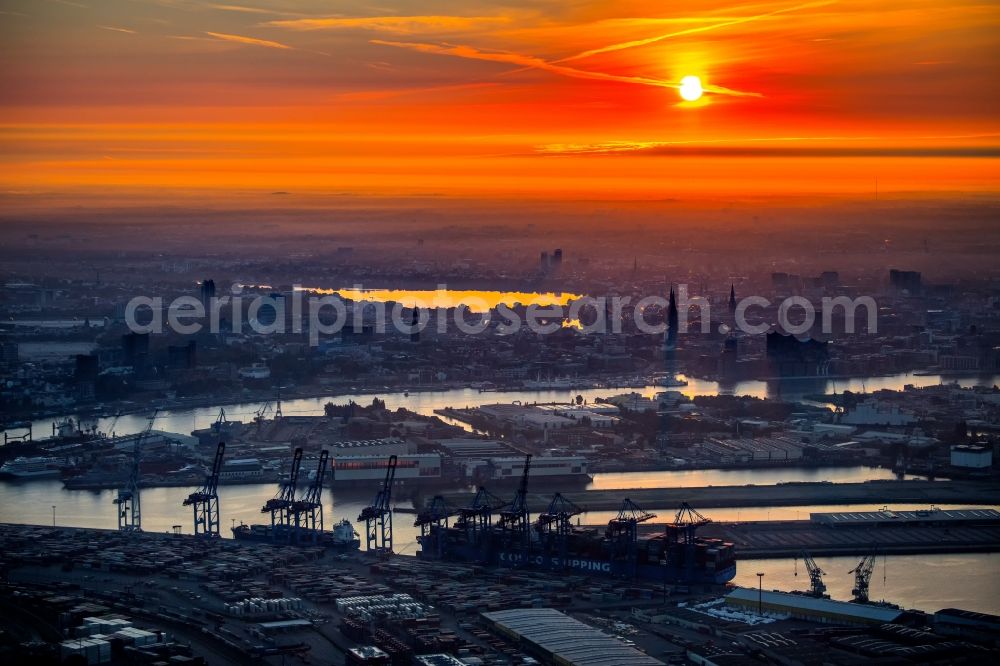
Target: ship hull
651, 561
286, 537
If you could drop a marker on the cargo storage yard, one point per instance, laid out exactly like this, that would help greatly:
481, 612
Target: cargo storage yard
143, 598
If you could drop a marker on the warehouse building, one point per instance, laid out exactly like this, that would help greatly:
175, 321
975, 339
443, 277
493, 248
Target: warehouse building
556, 637
801, 607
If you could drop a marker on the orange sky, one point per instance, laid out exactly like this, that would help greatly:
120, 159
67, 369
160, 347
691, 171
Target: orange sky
525, 97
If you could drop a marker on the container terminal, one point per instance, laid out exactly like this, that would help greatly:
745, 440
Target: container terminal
117, 597
480, 591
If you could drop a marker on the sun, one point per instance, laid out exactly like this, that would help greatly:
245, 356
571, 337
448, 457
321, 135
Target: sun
691, 89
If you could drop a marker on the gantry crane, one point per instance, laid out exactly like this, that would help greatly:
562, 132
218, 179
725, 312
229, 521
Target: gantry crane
281, 504
862, 576
378, 515
308, 511
434, 517
553, 526
205, 502
686, 523
622, 534
817, 587
476, 519
436, 513
128, 500
515, 523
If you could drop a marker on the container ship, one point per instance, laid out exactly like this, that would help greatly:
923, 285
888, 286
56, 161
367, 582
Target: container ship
492, 532
297, 517
342, 537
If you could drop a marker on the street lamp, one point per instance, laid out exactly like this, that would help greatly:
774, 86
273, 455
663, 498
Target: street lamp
760, 593
53, 515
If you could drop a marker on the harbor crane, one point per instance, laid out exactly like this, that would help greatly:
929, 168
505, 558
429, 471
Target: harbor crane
477, 518
378, 515
862, 576
514, 516
281, 504
128, 500
515, 523
686, 523
205, 502
622, 534
308, 511
435, 515
554, 527
438, 512
817, 587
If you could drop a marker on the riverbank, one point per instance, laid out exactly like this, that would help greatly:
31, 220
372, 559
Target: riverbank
788, 494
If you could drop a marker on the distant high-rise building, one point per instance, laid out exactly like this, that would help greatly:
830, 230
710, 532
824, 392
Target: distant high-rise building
8, 354
909, 281
557, 257
788, 356
182, 357
86, 368
728, 368
732, 303
670, 337
544, 261
135, 349
414, 322
207, 291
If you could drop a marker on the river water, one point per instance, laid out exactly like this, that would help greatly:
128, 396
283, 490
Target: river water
425, 402
926, 582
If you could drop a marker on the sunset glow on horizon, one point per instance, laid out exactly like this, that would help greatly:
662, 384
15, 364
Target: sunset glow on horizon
609, 99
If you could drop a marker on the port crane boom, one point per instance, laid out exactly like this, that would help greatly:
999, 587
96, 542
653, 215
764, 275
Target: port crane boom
205, 502
280, 506
308, 511
378, 515
128, 500
862, 576
817, 587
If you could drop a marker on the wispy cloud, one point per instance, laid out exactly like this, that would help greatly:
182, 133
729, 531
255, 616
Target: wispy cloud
248, 10
787, 146
697, 29
533, 62
252, 41
395, 24
114, 29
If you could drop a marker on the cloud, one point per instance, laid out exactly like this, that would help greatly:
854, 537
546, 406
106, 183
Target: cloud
779, 147
248, 10
252, 41
395, 24
113, 28
532, 62
690, 31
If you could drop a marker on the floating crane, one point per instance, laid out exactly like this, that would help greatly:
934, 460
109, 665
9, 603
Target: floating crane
281, 504
205, 502
378, 515
862, 576
128, 501
308, 511
817, 587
